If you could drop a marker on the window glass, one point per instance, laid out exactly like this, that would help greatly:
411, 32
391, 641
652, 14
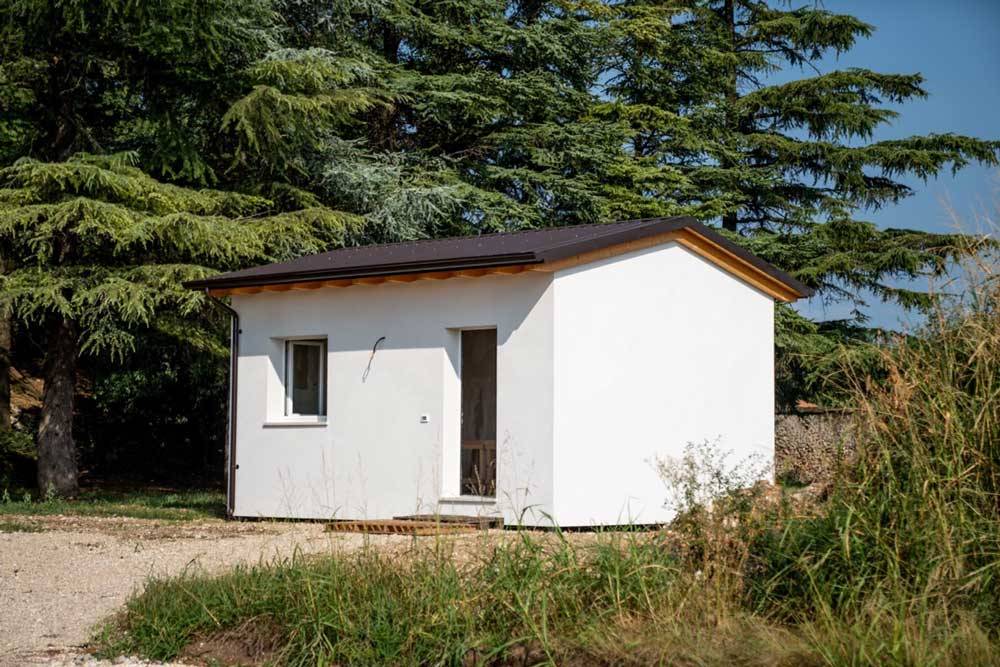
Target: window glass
306, 378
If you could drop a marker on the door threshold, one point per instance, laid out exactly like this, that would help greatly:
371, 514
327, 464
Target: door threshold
468, 500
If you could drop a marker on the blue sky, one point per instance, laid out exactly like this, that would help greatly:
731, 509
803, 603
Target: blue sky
956, 47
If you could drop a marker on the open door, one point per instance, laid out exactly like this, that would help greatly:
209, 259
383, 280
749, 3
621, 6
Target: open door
479, 413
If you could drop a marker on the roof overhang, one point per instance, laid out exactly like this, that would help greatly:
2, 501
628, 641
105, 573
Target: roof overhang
715, 248
686, 232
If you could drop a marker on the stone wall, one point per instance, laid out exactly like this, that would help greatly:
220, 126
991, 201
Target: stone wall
808, 446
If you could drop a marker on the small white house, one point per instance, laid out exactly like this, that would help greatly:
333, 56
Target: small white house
535, 375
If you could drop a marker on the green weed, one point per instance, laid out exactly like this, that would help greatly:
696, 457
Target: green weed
166, 504
18, 527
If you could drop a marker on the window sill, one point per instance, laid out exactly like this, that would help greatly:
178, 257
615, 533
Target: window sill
468, 500
295, 422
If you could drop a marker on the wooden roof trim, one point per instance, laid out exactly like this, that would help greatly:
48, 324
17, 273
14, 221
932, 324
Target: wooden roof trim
695, 242
372, 280
737, 266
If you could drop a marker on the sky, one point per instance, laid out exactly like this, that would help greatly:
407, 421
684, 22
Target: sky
955, 45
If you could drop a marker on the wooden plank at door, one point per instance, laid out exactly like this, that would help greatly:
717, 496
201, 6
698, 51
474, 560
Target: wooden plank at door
399, 527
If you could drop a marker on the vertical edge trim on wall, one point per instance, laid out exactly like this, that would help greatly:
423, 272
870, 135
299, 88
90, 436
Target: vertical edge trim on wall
234, 352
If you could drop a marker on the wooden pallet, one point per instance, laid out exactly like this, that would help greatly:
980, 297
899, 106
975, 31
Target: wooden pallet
400, 527
481, 522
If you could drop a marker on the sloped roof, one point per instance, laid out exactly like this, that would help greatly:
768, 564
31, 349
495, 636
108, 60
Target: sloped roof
530, 248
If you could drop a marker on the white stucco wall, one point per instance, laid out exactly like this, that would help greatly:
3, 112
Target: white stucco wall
653, 349
373, 458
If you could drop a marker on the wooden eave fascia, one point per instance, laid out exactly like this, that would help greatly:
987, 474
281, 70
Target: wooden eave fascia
695, 242
368, 280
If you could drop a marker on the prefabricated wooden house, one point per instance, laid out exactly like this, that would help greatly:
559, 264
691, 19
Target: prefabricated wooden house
534, 375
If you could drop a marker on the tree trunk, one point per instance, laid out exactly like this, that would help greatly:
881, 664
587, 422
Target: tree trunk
6, 343
381, 119
732, 91
6, 329
730, 220
57, 468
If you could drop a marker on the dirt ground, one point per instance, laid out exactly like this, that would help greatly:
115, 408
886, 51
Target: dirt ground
58, 583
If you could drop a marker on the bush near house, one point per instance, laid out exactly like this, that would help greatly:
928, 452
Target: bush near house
899, 567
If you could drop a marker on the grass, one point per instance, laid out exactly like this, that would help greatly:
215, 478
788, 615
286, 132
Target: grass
8, 526
914, 528
163, 504
900, 566
625, 599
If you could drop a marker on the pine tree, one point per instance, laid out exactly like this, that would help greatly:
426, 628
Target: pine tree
791, 167
107, 75
795, 160
488, 116
101, 250
467, 116
93, 247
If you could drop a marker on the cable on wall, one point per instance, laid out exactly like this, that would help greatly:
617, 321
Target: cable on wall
368, 368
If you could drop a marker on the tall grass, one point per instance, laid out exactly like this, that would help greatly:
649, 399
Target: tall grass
905, 556
527, 599
900, 566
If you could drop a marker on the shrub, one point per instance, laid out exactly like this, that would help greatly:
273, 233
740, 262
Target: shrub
913, 531
17, 456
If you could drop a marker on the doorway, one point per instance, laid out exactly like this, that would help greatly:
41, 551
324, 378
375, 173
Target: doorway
479, 413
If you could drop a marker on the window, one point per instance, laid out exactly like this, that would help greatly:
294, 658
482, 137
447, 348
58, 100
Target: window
305, 378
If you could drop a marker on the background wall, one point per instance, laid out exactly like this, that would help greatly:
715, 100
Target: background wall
654, 349
373, 458
810, 446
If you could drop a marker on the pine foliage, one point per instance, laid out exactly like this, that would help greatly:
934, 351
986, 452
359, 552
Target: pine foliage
477, 116
791, 164
99, 242
110, 75
298, 98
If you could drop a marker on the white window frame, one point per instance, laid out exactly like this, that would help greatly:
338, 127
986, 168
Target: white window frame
289, 377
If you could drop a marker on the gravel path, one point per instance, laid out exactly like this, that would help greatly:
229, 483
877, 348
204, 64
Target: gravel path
55, 585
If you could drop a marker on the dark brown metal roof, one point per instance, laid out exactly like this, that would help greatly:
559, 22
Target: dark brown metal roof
536, 246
